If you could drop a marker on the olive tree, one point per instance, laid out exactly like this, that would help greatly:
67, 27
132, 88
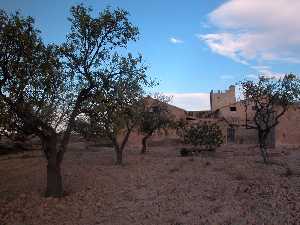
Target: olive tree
155, 116
31, 87
44, 87
270, 98
115, 109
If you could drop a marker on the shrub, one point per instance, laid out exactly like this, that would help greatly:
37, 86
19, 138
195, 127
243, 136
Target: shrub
207, 136
184, 152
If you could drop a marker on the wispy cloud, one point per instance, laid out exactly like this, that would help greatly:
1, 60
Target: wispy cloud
247, 33
174, 40
190, 101
269, 73
224, 44
265, 71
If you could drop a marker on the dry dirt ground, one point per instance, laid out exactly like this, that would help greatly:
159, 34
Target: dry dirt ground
230, 186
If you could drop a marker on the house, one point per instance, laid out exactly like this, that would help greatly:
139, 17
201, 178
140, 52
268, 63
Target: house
231, 116
236, 114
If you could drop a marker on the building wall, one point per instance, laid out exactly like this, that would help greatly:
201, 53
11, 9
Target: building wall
235, 116
229, 114
288, 130
246, 136
220, 99
199, 114
286, 133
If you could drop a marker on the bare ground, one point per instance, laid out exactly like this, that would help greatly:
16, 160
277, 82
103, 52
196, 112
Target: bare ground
230, 186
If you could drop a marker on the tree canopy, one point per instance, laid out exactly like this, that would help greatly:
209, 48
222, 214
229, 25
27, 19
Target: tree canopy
43, 88
115, 108
155, 116
270, 98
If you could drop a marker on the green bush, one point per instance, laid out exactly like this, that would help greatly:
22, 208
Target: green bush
184, 152
207, 136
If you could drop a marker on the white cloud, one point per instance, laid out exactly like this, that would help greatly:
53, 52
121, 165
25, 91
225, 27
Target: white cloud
256, 30
265, 71
269, 73
175, 40
190, 101
224, 44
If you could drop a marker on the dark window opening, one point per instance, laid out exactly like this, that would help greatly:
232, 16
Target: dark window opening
233, 108
190, 118
154, 109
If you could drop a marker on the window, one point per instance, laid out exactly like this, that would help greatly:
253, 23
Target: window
232, 108
154, 109
190, 118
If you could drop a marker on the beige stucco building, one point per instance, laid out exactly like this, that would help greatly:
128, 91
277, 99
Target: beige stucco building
224, 105
230, 115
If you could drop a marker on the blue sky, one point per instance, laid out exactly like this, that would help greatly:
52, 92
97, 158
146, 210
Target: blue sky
197, 45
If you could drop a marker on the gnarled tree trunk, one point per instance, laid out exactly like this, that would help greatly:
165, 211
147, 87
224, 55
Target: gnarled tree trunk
144, 143
262, 145
118, 150
120, 147
55, 153
54, 179
119, 156
54, 157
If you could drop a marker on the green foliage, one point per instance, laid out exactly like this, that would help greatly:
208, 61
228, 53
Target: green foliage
114, 107
83, 127
269, 92
108, 83
180, 126
208, 136
44, 88
155, 115
31, 78
91, 45
185, 152
271, 98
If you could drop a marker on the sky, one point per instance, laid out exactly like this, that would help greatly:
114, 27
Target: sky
193, 46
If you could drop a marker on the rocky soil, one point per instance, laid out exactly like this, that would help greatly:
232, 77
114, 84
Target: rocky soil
230, 186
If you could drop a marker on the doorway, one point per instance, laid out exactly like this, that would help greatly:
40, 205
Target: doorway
230, 135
